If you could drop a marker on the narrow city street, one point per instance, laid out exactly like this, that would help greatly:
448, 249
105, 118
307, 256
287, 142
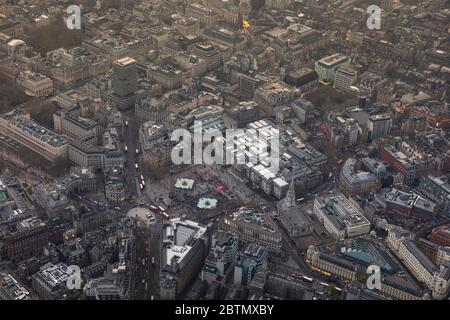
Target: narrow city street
146, 275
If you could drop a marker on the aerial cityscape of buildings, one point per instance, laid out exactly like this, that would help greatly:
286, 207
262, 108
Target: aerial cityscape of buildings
336, 138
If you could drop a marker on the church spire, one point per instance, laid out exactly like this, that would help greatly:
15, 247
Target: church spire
290, 196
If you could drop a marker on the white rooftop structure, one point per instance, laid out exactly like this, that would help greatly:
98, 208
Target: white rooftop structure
55, 275
207, 203
179, 238
183, 183
125, 61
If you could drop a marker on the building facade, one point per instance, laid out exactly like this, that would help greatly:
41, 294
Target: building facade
124, 81
378, 126
326, 68
340, 216
19, 126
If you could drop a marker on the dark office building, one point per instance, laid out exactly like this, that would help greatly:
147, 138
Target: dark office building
124, 80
